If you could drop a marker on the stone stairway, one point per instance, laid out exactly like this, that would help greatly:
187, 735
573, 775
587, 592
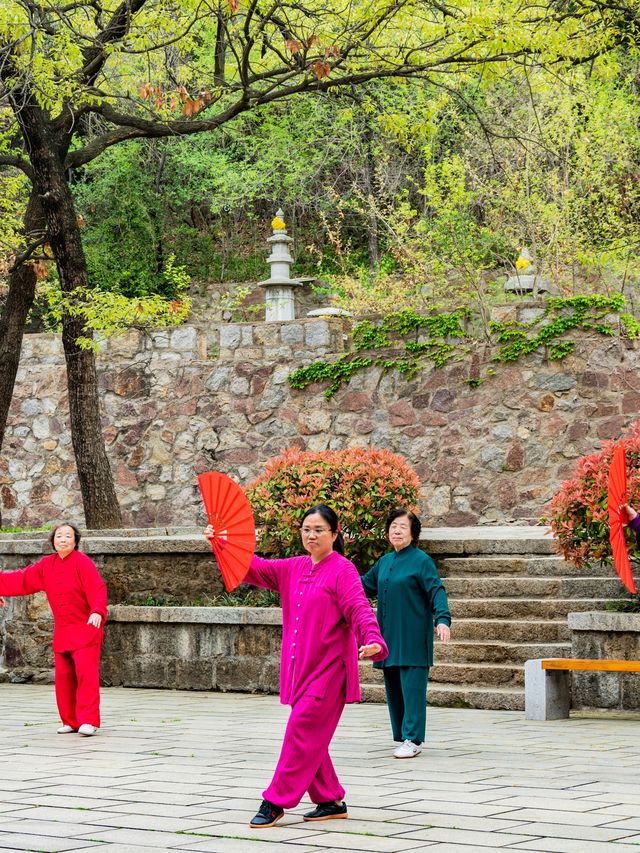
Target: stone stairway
509, 595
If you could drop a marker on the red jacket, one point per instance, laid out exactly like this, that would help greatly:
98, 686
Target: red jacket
74, 590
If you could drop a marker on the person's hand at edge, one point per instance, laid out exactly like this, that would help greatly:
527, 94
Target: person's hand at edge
369, 651
443, 632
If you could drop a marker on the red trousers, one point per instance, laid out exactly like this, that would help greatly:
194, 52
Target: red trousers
78, 686
304, 763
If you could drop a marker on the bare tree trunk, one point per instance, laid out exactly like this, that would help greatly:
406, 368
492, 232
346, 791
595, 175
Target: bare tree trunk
369, 170
101, 507
20, 296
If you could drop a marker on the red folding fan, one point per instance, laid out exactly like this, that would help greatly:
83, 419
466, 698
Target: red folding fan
229, 513
616, 498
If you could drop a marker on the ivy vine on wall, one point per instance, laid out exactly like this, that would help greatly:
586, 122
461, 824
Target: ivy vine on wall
406, 339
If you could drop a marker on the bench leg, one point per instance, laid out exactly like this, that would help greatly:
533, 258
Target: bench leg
547, 692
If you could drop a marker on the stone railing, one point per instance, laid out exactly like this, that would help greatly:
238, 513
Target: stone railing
605, 635
193, 648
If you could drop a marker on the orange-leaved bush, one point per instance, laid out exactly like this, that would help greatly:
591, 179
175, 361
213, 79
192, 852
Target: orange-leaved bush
578, 511
360, 483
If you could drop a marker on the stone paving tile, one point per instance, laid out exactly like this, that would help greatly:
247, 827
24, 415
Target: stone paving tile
54, 828
453, 821
41, 843
586, 833
466, 809
234, 845
147, 778
562, 817
569, 845
618, 811
366, 842
576, 805
488, 840
62, 815
631, 824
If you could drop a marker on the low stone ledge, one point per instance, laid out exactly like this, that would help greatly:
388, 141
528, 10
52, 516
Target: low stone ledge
193, 648
501, 539
605, 635
604, 620
196, 615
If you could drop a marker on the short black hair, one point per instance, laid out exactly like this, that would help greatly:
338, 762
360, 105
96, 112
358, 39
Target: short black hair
76, 533
399, 512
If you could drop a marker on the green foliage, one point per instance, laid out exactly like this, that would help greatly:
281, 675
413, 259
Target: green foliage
578, 512
576, 313
430, 338
409, 339
236, 304
630, 606
361, 484
111, 313
243, 596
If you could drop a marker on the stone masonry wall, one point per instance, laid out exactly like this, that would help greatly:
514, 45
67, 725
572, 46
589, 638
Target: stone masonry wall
177, 402
135, 568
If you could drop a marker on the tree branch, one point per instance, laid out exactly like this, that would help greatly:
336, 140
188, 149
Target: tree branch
17, 162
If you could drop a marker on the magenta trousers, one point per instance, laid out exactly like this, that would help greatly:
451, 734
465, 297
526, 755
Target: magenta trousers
304, 763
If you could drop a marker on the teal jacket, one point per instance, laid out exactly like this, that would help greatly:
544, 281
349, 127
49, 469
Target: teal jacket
411, 600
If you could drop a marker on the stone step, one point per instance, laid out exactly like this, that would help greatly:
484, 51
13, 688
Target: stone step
510, 565
513, 630
478, 674
524, 587
523, 608
499, 652
484, 698
456, 696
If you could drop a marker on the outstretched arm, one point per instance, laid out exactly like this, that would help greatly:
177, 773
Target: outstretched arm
358, 613
23, 582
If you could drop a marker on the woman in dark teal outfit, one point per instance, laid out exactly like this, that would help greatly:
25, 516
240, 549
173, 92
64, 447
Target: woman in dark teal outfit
411, 600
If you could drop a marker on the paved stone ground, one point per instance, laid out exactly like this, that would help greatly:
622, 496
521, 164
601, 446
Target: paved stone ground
184, 771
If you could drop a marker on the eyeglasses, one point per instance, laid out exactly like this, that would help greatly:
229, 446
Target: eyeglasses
307, 531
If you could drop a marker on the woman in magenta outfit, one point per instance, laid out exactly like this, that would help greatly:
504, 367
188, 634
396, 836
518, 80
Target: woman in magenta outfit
327, 623
78, 599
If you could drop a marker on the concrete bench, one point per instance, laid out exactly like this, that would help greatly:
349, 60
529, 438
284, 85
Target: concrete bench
547, 686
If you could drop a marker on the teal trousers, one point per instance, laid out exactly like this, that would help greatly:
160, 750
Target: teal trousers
406, 688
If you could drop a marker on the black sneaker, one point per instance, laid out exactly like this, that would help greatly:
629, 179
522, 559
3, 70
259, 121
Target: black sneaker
268, 815
327, 811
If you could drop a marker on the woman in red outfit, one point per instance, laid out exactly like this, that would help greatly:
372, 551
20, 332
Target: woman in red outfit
78, 599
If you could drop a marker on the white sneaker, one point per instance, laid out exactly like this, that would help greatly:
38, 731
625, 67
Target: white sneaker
408, 749
87, 729
66, 730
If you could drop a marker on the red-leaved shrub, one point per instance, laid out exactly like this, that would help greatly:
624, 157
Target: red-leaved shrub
360, 484
578, 511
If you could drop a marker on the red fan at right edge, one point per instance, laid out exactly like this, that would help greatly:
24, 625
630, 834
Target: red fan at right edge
616, 499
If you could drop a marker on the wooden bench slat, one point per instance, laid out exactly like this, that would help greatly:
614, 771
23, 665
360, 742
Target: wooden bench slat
595, 665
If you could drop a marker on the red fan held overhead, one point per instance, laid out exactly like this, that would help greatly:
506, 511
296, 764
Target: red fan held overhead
616, 498
229, 513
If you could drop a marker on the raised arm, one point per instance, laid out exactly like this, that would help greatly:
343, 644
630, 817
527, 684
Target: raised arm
269, 574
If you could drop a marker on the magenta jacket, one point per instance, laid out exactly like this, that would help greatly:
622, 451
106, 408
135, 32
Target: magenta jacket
325, 617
